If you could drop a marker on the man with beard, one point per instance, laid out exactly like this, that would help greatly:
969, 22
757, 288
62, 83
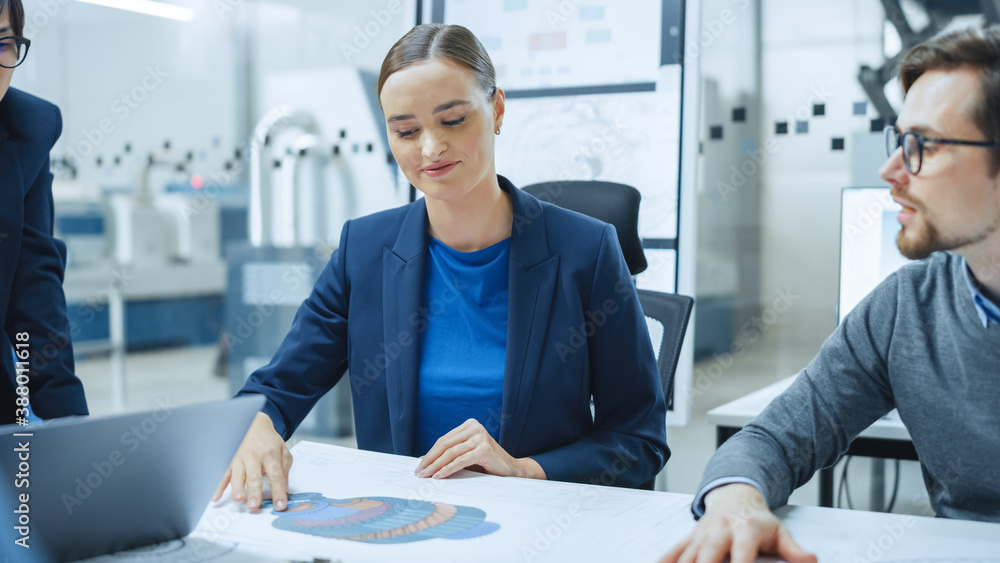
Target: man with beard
926, 341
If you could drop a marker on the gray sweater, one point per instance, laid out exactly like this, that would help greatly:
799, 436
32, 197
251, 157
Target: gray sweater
915, 343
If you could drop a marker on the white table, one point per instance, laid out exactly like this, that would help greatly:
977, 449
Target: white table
539, 521
886, 438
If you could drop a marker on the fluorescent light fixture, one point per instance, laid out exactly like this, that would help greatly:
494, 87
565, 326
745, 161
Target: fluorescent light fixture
148, 7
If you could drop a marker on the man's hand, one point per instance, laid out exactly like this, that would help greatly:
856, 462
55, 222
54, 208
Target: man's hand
471, 445
737, 521
261, 453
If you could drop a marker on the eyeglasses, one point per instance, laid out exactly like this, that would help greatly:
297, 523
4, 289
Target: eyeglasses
13, 50
913, 146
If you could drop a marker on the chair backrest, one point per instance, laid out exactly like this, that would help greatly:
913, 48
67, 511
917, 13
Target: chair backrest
667, 316
613, 203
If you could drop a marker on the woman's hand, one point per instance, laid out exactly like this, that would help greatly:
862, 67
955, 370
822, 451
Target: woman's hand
261, 453
471, 445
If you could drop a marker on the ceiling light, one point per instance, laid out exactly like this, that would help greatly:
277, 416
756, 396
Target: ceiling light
148, 7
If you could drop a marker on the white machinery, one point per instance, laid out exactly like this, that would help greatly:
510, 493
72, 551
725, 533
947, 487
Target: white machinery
154, 249
319, 156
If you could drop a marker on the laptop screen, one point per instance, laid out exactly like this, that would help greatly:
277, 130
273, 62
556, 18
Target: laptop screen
868, 253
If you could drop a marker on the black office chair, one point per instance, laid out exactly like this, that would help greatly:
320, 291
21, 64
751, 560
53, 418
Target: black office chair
667, 314
613, 203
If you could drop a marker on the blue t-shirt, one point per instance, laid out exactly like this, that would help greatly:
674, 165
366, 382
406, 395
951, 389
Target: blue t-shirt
463, 347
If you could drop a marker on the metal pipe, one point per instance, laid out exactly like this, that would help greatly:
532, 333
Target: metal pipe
274, 121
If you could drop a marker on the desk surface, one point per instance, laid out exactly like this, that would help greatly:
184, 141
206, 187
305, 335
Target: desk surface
535, 521
736, 414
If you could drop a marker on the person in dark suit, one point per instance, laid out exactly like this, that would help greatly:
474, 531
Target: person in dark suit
32, 303
477, 323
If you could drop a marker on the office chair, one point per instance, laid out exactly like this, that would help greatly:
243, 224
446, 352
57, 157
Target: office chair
613, 203
667, 314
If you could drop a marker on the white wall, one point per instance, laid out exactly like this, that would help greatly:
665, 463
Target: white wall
810, 50
728, 207
121, 77
299, 34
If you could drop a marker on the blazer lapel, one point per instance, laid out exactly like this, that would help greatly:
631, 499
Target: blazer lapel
11, 212
403, 274
533, 273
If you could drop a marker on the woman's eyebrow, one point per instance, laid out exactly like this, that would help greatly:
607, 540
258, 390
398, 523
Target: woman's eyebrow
439, 109
449, 105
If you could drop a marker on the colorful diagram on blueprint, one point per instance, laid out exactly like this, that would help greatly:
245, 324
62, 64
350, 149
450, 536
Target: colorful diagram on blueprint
380, 519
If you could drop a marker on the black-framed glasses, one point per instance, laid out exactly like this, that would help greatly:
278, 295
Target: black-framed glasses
13, 50
913, 146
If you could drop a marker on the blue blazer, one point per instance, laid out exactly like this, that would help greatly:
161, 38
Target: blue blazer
32, 262
575, 330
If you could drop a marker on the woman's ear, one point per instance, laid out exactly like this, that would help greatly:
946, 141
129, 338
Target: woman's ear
498, 109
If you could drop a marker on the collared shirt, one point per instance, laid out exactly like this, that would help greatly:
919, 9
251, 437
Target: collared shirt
988, 311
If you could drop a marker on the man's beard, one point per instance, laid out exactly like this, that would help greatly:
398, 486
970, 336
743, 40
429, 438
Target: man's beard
929, 240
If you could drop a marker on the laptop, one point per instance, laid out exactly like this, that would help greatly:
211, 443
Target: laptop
79, 487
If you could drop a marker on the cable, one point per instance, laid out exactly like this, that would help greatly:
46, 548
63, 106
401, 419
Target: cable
895, 490
844, 487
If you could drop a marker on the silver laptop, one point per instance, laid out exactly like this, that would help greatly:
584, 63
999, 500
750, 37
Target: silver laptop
80, 487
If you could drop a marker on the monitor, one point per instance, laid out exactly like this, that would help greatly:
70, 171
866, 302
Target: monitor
868, 253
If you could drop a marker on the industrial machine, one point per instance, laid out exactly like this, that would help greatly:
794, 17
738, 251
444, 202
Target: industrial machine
318, 158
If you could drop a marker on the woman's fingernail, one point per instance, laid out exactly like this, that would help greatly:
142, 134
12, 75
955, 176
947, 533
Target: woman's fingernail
253, 502
280, 505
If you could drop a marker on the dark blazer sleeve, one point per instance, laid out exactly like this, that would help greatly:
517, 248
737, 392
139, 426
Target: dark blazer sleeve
628, 444
37, 303
313, 356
